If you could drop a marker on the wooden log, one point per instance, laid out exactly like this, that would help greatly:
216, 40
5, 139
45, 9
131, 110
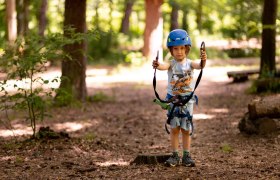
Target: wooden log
153, 159
241, 76
259, 126
268, 106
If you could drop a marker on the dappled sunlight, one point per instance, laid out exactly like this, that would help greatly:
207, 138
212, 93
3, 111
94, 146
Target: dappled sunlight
7, 158
20, 129
203, 116
12, 85
108, 154
97, 72
219, 110
156, 147
72, 126
143, 75
119, 162
16, 132
218, 74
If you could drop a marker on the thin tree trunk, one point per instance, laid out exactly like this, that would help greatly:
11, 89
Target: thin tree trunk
42, 17
153, 30
125, 21
174, 16
199, 15
11, 20
75, 69
184, 20
22, 17
268, 67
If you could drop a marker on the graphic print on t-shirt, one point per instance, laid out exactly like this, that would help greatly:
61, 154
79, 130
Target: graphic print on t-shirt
181, 82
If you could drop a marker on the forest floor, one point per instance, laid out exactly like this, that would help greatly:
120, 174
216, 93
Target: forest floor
106, 136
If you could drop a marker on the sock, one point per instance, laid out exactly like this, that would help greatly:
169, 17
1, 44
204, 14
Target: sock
175, 152
186, 152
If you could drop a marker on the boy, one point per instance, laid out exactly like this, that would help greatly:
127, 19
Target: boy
180, 76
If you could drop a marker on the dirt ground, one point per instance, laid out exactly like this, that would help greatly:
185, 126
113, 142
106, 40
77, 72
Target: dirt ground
106, 136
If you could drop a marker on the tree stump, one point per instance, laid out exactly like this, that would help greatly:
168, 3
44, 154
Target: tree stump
153, 159
265, 107
263, 116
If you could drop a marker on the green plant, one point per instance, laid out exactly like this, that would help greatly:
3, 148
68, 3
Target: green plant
89, 137
23, 88
226, 148
265, 85
100, 97
23, 62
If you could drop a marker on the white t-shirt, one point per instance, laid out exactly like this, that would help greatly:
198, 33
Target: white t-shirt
180, 77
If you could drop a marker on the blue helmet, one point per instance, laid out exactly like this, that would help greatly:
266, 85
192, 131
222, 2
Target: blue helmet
178, 37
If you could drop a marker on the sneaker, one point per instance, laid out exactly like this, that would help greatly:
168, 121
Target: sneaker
173, 160
187, 160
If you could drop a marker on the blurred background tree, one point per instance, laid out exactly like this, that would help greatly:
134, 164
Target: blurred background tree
131, 31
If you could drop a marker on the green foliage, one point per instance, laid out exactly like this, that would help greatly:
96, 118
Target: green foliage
2, 22
265, 85
104, 46
89, 137
134, 58
100, 97
242, 52
226, 148
245, 17
22, 62
63, 98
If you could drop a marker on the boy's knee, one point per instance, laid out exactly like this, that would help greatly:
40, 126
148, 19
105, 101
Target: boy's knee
186, 132
175, 131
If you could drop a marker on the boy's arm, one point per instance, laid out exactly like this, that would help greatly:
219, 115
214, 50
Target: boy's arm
161, 66
200, 64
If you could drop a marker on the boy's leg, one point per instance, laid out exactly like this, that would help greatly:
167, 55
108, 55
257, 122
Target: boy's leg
174, 137
174, 160
186, 159
186, 139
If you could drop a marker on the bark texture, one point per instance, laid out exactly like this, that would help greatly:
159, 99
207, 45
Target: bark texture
263, 116
75, 69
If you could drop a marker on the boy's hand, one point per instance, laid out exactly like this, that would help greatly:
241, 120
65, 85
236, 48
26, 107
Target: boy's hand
203, 55
155, 64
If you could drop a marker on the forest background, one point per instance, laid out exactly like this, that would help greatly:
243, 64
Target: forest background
73, 37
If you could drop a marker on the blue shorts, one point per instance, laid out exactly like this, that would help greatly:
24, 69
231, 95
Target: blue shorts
182, 122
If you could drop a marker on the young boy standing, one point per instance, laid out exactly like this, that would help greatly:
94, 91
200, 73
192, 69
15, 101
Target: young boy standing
180, 76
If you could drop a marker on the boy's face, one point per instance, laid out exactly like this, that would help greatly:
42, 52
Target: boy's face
180, 52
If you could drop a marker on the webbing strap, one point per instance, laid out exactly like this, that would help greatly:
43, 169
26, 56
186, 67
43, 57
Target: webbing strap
182, 103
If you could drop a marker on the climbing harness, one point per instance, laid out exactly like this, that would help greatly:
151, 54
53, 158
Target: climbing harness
177, 100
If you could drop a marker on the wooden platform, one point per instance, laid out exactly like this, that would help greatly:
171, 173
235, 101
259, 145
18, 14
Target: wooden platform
240, 76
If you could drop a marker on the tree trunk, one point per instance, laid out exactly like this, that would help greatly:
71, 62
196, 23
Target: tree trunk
42, 17
184, 20
268, 67
125, 21
154, 28
199, 15
174, 16
75, 69
11, 20
22, 17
